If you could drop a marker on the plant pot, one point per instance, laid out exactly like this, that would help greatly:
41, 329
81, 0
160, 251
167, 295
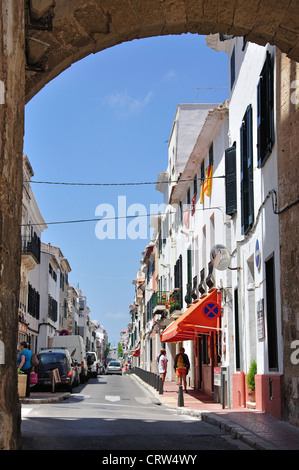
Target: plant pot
251, 395
22, 383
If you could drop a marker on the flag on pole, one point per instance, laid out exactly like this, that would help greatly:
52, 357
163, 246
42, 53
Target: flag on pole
208, 180
202, 194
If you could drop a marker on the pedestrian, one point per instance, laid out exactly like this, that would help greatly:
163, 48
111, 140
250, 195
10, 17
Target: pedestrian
181, 366
25, 364
162, 365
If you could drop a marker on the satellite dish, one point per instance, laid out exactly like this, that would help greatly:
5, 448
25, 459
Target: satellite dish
220, 257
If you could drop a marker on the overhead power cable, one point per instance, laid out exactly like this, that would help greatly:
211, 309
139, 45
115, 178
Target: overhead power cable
110, 218
63, 183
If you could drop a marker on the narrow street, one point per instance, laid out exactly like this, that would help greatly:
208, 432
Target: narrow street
116, 413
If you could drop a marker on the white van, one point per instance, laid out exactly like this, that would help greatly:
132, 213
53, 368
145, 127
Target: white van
92, 363
75, 345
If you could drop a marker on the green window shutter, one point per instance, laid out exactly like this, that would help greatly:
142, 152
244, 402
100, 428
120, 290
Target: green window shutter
265, 112
250, 166
246, 154
230, 180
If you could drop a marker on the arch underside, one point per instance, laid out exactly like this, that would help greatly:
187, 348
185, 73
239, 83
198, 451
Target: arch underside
83, 27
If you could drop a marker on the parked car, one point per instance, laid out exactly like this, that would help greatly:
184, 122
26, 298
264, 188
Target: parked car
92, 363
114, 367
55, 358
75, 345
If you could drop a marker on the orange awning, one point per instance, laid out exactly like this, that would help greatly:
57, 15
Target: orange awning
203, 316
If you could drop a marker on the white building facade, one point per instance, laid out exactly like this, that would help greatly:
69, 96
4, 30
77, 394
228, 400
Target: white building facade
33, 225
254, 229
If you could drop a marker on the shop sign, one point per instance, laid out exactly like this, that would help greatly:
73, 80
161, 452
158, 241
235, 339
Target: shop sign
217, 376
260, 320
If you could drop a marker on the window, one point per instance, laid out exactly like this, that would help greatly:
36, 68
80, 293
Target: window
188, 196
230, 180
265, 112
271, 315
211, 154
247, 209
188, 298
178, 279
33, 302
52, 308
195, 185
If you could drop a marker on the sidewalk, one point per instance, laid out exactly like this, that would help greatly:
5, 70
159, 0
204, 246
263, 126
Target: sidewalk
256, 428
44, 397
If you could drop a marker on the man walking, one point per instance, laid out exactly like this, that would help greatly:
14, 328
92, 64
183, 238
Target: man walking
181, 366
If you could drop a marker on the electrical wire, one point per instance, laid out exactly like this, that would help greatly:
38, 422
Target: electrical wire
111, 218
63, 183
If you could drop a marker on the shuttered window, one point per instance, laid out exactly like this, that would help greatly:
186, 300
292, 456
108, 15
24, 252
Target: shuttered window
246, 154
178, 279
265, 112
230, 180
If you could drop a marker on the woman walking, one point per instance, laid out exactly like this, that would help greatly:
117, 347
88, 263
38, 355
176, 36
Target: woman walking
163, 365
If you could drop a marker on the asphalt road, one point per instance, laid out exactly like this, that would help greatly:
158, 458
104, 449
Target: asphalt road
116, 414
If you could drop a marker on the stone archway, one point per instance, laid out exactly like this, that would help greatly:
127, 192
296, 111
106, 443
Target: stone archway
82, 27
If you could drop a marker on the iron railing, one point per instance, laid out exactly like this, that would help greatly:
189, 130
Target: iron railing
152, 379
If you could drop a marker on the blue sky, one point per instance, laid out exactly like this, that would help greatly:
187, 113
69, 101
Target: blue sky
107, 119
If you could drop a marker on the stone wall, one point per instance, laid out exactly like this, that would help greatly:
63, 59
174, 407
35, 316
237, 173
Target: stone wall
288, 207
83, 27
12, 77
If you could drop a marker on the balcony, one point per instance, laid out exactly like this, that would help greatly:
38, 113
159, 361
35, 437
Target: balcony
30, 251
175, 302
160, 298
160, 301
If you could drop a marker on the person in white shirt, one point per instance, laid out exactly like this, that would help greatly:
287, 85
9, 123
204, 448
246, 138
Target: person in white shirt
163, 365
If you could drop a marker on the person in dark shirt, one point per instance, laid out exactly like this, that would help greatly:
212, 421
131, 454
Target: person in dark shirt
181, 366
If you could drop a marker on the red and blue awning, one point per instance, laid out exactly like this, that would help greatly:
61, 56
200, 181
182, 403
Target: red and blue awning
203, 316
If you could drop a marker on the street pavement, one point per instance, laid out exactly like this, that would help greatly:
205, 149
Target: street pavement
255, 428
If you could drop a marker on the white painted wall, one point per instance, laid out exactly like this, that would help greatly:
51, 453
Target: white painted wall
249, 65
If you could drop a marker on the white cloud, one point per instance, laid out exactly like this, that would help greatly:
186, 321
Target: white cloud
169, 75
127, 105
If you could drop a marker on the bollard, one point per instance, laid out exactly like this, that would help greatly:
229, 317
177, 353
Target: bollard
157, 383
160, 386
181, 396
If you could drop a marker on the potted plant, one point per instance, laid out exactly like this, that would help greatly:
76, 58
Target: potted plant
22, 381
251, 380
174, 300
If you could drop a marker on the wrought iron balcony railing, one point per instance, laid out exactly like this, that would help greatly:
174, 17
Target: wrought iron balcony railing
31, 245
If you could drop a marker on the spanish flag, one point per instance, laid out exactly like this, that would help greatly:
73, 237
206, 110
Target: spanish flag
202, 194
208, 180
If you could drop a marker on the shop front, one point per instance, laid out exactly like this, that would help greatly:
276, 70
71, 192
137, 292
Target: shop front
201, 324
